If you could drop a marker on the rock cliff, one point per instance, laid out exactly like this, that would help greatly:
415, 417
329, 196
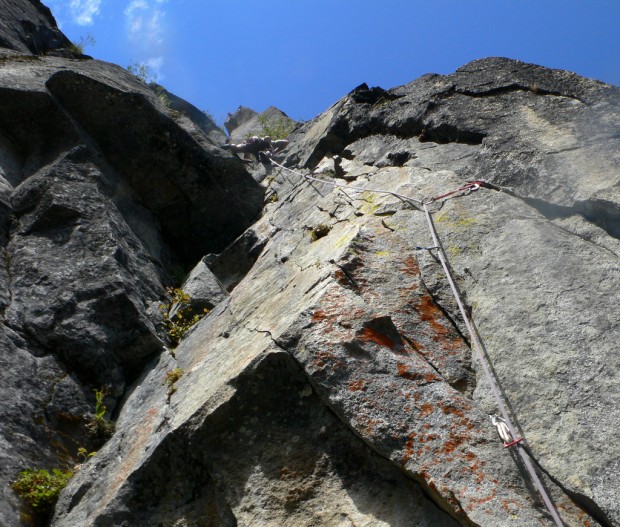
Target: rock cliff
105, 196
246, 122
332, 382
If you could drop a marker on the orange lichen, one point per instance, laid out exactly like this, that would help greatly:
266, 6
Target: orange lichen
485, 499
443, 334
369, 334
319, 315
411, 266
356, 386
451, 410
426, 409
423, 377
506, 504
322, 358
451, 445
470, 456
409, 447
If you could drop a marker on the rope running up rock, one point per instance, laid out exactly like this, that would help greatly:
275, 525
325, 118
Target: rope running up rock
473, 334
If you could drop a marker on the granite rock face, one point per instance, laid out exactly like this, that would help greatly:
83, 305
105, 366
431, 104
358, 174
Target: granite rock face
105, 198
246, 122
335, 384
332, 381
29, 27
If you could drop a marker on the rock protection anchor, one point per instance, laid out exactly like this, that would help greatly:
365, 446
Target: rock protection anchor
504, 432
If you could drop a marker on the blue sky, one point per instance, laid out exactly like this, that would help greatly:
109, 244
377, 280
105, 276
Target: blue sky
302, 55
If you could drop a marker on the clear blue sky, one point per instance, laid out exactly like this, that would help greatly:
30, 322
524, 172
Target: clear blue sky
303, 55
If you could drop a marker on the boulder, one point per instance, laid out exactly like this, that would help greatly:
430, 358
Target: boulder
204, 289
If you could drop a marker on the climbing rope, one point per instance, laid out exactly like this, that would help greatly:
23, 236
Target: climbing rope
477, 346
348, 187
470, 186
465, 189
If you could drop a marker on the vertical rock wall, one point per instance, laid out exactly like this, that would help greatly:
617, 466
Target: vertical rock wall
336, 386
104, 201
332, 382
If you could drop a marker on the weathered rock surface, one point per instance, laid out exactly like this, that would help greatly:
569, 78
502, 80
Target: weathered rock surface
183, 110
332, 381
246, 122
104, 196
29, 27
336, 386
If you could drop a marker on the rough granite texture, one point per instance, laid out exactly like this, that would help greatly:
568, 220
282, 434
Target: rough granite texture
28, 26
336, 386
105, 197
245, 122
332, 382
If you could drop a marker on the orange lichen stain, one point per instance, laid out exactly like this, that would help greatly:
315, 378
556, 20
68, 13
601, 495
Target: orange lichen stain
369, 334
416, 345
342, 278
322, 359
451, 445
506, 505
409, 447
485, 499
585, 522
319, 315
421, 377
368, 426
476, 469
444, 334
355, 386
427, 438
451, 410
429, 312
454, 503
426, 409
411, 266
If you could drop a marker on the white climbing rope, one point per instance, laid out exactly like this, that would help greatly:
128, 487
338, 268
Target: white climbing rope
473, 334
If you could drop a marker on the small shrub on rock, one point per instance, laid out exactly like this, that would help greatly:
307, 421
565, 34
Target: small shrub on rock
275, 128
172, 376
99, 429
320, 231
40, 488
178, 315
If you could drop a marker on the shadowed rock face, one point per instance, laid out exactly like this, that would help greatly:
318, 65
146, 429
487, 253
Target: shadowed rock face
335, 384
104, 196
29, 27
332, 381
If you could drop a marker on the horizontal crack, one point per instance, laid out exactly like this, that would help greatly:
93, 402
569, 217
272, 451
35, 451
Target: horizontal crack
511, 88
